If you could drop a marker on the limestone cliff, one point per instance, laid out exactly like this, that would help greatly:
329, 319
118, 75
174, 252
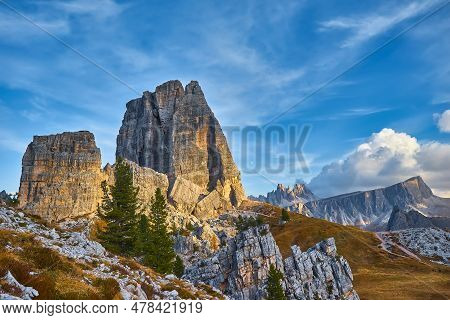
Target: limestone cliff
173, 131
61, 176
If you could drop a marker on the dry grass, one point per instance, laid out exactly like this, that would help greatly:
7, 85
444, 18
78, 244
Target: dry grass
377, 274
51, 274
109, 288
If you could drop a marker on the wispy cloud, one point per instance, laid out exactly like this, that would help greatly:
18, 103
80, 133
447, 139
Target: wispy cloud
14, 28
99, 9
362, 28
353, 113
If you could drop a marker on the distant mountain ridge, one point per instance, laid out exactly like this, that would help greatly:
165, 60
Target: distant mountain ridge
287, 197
372, 209
401, 220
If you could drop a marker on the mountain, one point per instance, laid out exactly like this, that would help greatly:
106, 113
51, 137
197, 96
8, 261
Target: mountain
372, 209
283, 197
171, 140
400, 220
173, 131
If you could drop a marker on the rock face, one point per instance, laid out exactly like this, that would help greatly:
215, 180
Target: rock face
146, 179
61, 176
173, 131
372, 209
291, 198
401, 219
240, 269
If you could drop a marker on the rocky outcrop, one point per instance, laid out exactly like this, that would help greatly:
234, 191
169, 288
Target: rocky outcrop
5, 198
173, 131
318, 273
401, 219
61, 176
290, 198
372, 209
240, 269
85, 262
146, 179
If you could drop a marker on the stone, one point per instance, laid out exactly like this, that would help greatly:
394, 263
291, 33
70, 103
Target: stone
210, 205
240, 269
61, 176
173, 131
185, 194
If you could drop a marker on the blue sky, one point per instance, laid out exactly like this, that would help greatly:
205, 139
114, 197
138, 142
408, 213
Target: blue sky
253, 59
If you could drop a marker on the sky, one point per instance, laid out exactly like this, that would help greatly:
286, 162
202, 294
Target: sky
73, 65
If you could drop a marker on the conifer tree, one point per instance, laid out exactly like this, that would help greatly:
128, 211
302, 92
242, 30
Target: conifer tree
178, 267
274, 288
285, 215
142, 243
119, 211
160, 254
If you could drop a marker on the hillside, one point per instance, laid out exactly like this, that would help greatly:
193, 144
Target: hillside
60, 262
377, 273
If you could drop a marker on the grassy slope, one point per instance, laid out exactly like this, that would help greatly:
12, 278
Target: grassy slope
377, 274
57, 277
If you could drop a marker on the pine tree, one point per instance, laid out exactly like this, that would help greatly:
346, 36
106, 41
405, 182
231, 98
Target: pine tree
119, 211
178, 267
285, 215
274, 289
160, 254
142, 242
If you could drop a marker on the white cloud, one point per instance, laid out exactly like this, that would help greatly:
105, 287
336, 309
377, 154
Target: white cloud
443, 121
386, 158
363, 28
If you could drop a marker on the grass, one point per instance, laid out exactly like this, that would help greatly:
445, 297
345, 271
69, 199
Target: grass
51, 274
377, 274
56, 277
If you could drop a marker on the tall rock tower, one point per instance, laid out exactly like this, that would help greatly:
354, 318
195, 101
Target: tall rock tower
61, 176
173, 131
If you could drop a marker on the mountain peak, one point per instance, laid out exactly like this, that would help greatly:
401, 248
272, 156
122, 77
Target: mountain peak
417, 187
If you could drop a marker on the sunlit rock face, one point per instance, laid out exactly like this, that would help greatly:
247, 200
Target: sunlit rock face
173, 131
61, 176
